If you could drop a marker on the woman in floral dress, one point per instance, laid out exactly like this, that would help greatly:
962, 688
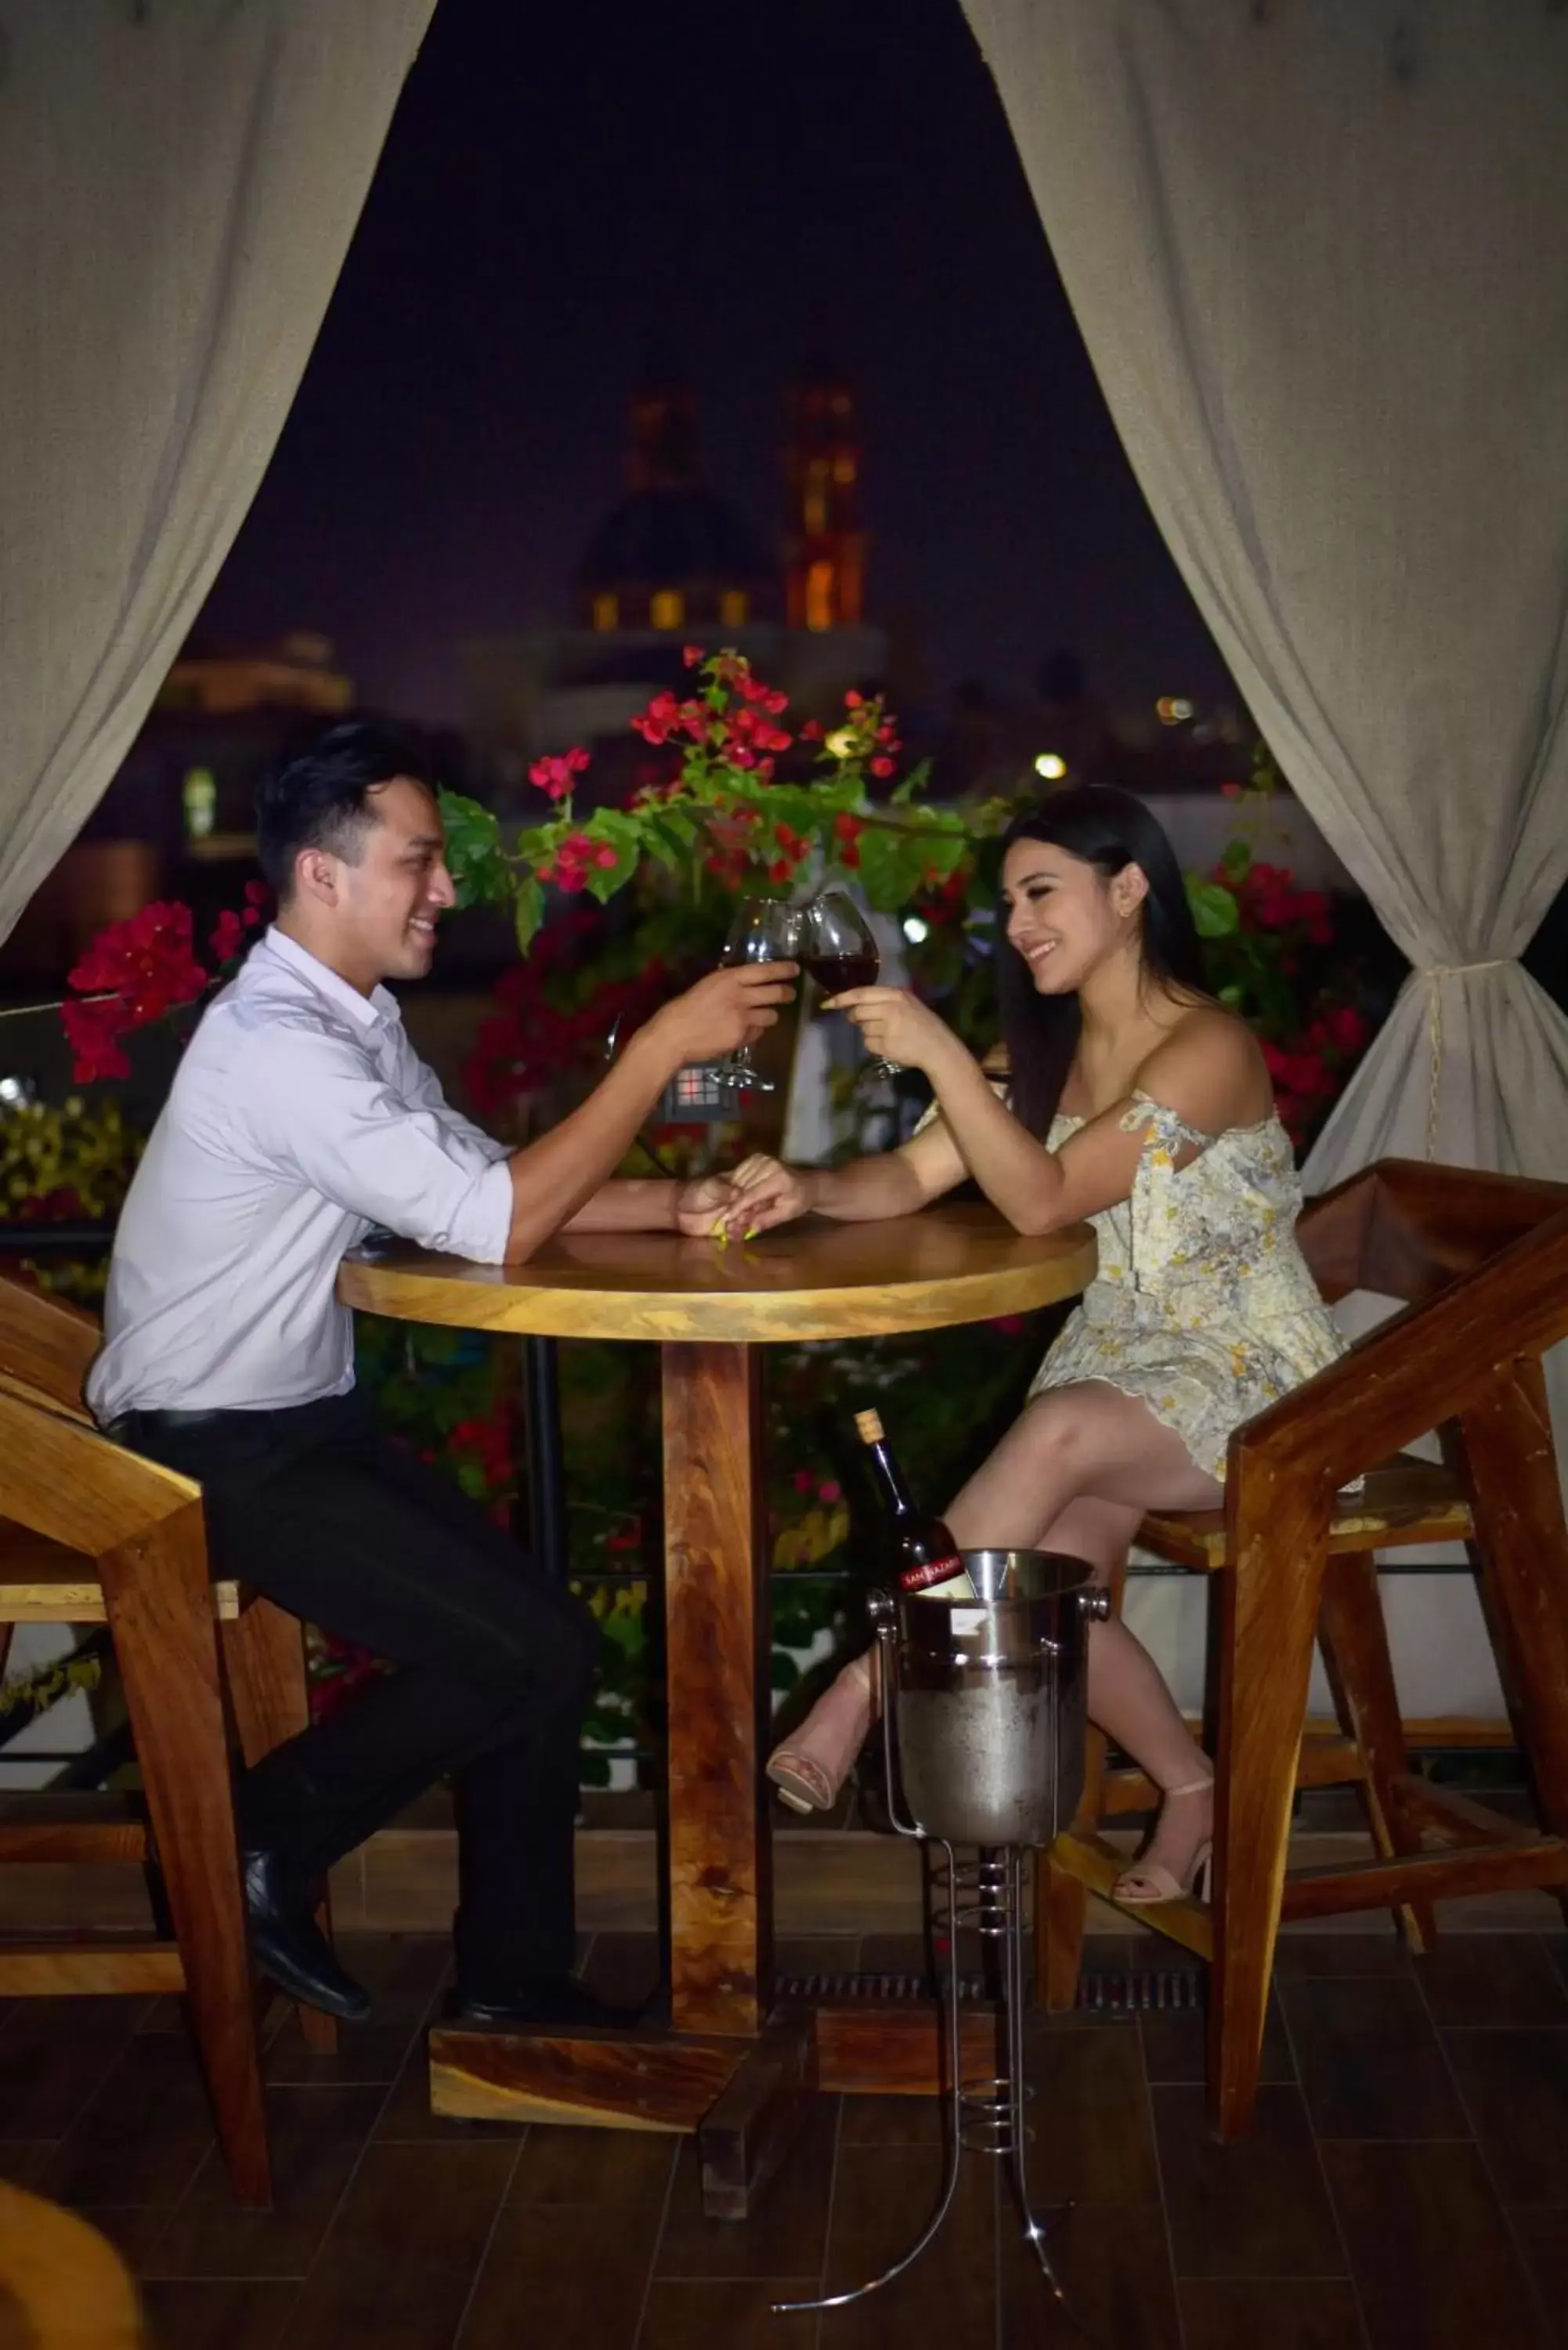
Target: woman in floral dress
1139, 1103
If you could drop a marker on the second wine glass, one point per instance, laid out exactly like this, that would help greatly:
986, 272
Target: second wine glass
764, 930
839, 949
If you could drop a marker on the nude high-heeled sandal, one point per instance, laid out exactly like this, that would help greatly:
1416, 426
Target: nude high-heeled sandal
1161, 1883
810, 1768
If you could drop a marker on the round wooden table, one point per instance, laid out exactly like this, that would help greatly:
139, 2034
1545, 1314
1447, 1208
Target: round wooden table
710, 1310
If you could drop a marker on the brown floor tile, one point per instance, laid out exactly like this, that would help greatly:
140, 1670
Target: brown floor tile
883, 2198
54, 2055
132, 2229
1313, 1955
231, 2315
1433, 2260
892, 2121
403, 1973
1515, 2085
1114, 2267
561, 2276
1369, 2059
1093, 2136
22, 2159
788, 2234
1174, 2045
317, 2138
1226, 2315
730, 2315
1482, 1979
1542, 2239
398, 2261
612, 2169
1256, 2209
144, 2136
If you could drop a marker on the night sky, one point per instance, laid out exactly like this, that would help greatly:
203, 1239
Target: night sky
567, 191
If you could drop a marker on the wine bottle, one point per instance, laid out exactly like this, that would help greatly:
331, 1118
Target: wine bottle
923, 1556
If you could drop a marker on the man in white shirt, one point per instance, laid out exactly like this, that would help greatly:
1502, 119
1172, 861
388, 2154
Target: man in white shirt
300, 1119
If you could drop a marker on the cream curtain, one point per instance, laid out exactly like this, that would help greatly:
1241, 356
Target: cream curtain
1319, 254
179, 181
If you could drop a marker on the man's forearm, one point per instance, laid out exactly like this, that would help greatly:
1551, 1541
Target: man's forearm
630, 1204
555, 1177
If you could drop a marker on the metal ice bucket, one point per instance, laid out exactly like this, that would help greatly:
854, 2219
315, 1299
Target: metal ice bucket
989, 1698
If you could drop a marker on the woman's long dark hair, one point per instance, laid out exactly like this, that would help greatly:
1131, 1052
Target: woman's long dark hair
1107, 829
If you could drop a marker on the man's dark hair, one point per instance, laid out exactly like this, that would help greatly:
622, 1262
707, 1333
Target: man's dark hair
322, 798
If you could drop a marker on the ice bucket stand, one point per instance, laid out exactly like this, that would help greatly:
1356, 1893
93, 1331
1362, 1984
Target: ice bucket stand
983, 1726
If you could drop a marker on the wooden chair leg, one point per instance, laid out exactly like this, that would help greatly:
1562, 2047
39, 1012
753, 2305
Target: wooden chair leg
263, 1652
1268, 1616
1354, 1640
159, 1608
1522, 1546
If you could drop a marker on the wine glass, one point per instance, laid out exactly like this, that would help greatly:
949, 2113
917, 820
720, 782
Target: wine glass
764, 930
839, 949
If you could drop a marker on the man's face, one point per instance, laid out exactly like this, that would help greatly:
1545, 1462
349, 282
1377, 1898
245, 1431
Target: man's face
387, 905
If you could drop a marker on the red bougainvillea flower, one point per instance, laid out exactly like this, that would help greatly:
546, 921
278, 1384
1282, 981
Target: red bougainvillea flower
846, 831
93, 1031
141, 969
149, 961
692, 655
258, 897
557, 775
228, 935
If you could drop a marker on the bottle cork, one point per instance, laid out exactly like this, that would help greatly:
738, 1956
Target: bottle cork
868, 1427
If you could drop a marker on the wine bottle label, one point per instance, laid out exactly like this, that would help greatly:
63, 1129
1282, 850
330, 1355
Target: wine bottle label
937, 1570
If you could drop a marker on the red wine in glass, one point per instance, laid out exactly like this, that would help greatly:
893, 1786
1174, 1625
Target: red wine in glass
838, 948
834, 974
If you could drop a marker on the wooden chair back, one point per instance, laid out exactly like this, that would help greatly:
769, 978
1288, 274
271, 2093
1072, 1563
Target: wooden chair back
47, 1346
1407, 1230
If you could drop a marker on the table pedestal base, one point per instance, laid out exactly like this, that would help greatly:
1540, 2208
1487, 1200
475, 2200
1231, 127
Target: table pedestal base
744, 2100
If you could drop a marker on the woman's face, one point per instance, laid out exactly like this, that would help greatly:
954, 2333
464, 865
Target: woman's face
1063, 915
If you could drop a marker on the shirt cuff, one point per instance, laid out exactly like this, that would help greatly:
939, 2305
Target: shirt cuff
481, 1225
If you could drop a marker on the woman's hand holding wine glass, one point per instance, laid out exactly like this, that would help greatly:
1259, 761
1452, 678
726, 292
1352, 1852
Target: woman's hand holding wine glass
902, 1030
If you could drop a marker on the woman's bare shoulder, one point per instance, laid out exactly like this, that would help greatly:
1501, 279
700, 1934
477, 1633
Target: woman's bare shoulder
1210, 1068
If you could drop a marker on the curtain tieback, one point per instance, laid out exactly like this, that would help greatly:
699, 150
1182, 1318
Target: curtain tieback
1432, 973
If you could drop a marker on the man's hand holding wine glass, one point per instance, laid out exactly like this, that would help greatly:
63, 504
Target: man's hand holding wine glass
725, 1012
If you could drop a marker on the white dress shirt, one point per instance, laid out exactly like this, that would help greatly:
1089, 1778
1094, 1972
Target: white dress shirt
300, 1117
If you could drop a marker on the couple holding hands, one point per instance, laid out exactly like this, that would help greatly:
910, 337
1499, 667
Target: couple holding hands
301, 1118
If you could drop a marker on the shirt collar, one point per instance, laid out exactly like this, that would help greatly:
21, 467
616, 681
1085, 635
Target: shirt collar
367, 1010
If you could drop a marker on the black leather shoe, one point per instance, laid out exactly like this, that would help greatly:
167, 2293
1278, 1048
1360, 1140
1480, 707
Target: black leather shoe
542, 2000
289, 1945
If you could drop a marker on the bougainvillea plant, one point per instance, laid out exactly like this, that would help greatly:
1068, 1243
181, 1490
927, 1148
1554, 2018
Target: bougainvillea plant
725, 810
139, 971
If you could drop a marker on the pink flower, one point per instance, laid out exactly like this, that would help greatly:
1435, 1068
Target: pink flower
557, 775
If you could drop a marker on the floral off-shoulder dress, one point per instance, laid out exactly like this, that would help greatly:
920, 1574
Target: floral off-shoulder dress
1203, 1305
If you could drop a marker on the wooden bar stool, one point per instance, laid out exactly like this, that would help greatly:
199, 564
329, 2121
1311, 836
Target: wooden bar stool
90, 1533
1482, 1263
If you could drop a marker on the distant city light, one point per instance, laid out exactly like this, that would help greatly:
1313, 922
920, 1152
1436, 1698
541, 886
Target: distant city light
1171, 708
915, 930
1051, 766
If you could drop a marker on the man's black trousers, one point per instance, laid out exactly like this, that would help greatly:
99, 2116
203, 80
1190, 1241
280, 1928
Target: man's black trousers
493, 1664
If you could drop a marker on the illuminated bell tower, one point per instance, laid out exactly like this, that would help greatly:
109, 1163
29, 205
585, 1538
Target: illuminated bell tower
825, 549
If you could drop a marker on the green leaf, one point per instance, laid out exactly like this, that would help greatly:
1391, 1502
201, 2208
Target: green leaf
1214, 910
474, 854
785, 1672
529, 911
1238, 859
913, 784
889, 869
622, 833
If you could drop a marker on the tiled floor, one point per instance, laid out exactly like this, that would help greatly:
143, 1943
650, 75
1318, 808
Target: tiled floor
1406, 2187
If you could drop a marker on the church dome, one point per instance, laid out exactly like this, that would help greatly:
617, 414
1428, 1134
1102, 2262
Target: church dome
671, 555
